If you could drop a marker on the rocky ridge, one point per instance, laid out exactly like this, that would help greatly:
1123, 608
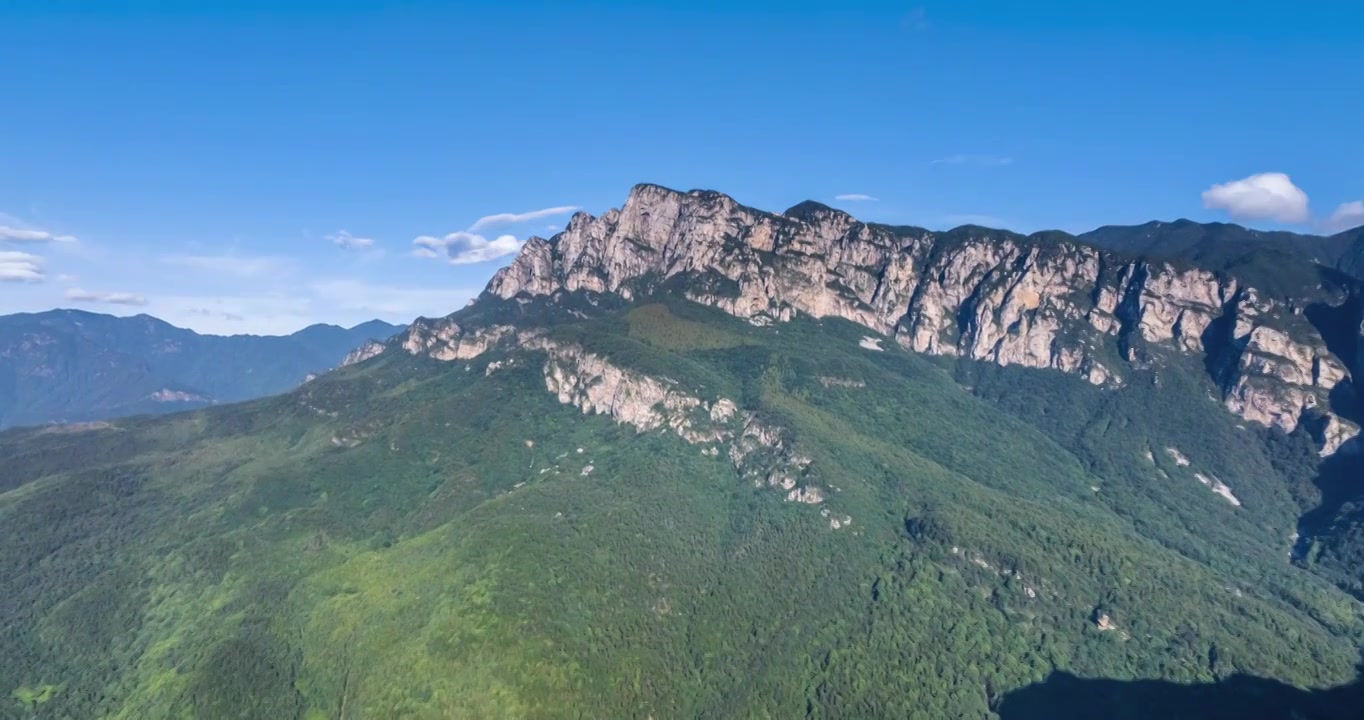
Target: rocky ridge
758, 450
371, 348
975, 293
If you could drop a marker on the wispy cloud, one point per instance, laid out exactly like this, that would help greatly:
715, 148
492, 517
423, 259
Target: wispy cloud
466, 248
18, 235
241, 266
1263, 196
1347, 216
216, 314
488, 221
343, 239
20, 267
264, 313
976, 160
105, 298
855, 197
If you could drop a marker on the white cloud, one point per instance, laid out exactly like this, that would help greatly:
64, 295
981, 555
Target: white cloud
241, 266
855, 197
20, 267
1264, 196
978, 160
343, 239
1348, 216
488, 221
466, 247
28, 235
105, 298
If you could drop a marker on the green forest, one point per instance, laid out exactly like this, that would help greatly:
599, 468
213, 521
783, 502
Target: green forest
408, 538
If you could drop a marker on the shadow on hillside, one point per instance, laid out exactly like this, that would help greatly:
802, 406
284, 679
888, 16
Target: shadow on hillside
1339, 480
1241, 697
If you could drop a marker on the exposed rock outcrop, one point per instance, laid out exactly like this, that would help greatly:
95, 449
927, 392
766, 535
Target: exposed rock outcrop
444, 339
167, 395
758, 450
593, 384
373, 348
974, 293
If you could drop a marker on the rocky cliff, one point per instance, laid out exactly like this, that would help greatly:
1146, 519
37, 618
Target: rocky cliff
1043, 301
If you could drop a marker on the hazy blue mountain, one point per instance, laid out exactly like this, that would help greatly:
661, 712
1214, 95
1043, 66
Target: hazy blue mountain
72, 366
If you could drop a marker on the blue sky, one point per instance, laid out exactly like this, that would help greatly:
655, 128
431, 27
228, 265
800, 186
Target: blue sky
255, 167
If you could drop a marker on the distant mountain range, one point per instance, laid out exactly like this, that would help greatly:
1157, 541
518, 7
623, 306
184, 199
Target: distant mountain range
74, 366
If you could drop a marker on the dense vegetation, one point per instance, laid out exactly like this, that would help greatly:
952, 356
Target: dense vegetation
1323, 275
71, 366
1278, 263
415, 539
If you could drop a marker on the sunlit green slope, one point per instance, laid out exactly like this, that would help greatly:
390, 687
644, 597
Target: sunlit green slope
409, 538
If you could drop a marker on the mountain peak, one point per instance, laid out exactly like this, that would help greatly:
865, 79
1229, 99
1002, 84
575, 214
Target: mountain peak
1061, 306
650, 193
647, 194
814, 211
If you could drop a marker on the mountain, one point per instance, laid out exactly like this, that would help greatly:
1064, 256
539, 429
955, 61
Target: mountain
1352, 259
1267, 259
1046, 301
690, 459
74, 366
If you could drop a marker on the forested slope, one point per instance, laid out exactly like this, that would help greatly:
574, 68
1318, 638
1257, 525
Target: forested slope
485, 537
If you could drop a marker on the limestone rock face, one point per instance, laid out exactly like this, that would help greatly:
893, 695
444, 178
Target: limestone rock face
373, 348
445, 340
532, 273
593, 384
1178, 306
985, 295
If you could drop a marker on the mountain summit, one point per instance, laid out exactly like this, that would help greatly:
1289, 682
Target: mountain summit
1044, 301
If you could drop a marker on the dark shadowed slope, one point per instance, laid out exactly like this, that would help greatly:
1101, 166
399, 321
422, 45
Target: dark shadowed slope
1274, 261
1063, 696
